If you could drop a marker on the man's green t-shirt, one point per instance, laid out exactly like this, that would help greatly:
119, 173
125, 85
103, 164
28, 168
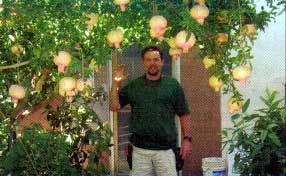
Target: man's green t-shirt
154, 105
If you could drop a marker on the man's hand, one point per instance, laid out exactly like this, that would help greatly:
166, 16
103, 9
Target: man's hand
185, 149
117, 77
118, 74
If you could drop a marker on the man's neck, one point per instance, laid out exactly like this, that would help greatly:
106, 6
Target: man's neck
153, 78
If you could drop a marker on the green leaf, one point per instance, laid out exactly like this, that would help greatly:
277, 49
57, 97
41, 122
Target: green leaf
263, 134
37, 53
272, 96
276, 103
283, 113
274, 138
235, 116
263, 99
270, 126
224, 145
75, 64
251, 117
224, 133
268, 92
240, 122
245, 105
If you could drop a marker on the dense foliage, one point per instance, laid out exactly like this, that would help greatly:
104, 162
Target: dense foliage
258, 139
36, 147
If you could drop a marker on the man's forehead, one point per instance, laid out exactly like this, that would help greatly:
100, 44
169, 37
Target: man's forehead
151, 54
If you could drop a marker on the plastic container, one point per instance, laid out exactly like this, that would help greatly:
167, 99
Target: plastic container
214, 166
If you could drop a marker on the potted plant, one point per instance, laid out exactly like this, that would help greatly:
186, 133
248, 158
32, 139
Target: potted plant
258, 139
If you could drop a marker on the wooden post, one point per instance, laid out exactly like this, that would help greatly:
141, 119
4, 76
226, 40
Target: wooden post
115, 122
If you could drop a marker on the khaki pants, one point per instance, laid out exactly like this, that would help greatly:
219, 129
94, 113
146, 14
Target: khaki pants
153, 162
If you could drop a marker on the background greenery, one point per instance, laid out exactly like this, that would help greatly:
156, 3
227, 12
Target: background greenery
258, 139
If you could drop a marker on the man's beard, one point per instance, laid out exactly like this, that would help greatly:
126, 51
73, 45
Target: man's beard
153, 73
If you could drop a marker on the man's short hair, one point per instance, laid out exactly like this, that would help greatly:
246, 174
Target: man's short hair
152, 48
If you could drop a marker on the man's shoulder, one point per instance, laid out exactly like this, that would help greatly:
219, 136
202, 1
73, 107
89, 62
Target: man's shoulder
167, 77
170, 80
138, 79
135, 81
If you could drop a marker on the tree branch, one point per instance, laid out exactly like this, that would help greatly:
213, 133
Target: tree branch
2, 114
29, 156
42, 79
14, 66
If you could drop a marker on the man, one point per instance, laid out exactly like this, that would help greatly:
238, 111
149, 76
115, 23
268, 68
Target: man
154, 100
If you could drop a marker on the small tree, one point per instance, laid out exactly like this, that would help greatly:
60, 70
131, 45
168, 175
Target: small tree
258, 139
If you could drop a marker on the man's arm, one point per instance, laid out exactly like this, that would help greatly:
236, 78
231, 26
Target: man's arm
185, 121
117, 77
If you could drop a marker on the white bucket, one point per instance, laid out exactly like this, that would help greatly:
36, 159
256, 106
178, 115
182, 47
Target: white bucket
214, 166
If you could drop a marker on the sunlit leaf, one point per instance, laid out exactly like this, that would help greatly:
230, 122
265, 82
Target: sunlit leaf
245, 105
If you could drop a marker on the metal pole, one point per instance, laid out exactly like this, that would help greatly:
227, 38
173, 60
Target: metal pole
176, 69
